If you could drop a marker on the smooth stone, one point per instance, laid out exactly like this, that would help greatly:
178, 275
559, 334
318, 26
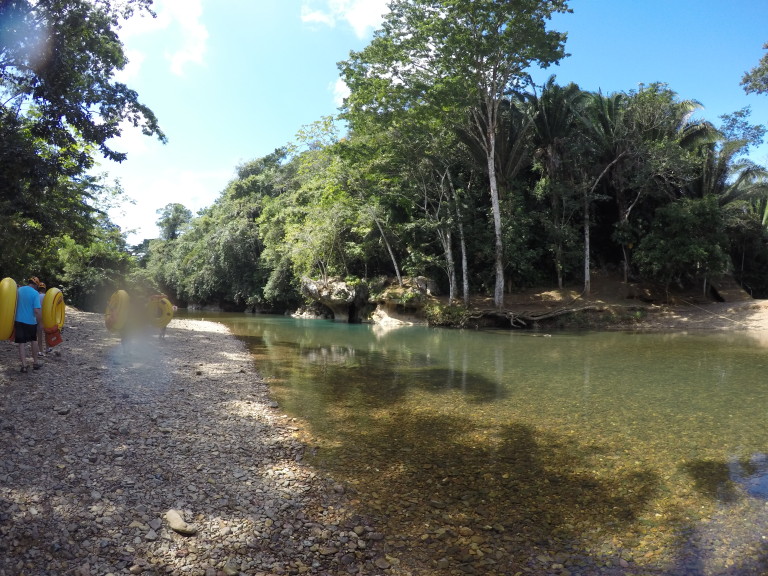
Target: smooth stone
178, 524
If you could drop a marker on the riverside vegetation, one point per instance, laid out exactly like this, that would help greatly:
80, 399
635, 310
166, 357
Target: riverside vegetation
481, 181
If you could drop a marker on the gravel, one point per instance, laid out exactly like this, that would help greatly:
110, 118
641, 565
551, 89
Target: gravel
108, 445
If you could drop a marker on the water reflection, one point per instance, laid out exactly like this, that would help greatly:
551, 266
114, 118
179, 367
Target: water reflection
497, 451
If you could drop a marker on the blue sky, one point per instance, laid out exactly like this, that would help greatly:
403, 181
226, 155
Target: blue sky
231, 80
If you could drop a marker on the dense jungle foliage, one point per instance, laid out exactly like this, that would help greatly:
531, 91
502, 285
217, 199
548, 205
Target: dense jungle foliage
656, 194
468, 174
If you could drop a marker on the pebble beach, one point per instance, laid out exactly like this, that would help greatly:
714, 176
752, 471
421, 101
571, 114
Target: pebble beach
163, 457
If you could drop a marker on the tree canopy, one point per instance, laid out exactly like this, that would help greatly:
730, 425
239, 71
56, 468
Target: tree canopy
59, 106
617, 181
173, 218
454, 166
462, 57
58, 59
756, 80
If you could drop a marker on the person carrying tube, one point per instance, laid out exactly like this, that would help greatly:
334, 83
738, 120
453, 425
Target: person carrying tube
28, 316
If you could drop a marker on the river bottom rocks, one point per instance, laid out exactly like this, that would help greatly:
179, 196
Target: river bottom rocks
98, 446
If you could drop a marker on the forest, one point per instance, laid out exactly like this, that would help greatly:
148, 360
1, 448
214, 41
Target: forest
446, 161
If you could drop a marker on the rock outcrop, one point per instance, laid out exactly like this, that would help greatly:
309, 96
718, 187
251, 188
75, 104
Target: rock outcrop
347, 302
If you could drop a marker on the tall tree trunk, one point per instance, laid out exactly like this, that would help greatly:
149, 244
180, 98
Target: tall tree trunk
450, 264
624, 213
462, 243
587, 265
558, 219
464, 271
626, 262
486, 125
389, 250
587, 200
498, 292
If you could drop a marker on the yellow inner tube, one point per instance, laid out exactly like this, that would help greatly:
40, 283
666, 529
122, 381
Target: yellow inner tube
8, 296
117, 311
159, 312
53, 309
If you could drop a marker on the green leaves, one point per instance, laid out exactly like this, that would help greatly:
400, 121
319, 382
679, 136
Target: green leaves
59, 104
457, 58
449, 55
59, 57
173, 219
756, 80
687, 241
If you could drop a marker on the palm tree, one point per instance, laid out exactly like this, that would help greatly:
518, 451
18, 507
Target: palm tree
605, 144
642, 142
741, 189
724, 175
554, 115
512, 148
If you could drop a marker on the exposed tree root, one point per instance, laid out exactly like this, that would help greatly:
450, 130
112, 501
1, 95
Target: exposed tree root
523, 319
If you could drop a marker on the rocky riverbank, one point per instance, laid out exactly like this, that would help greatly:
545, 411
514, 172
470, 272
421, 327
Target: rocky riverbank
98, 446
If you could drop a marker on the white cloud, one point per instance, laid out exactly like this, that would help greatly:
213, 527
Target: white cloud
140, 24
340, 91
362, 15
188, 14
184, 19
317, 16
195, 189
131, 71
132, 141
365, 14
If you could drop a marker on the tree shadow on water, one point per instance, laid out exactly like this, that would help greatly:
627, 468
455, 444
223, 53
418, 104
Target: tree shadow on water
712, 479
363, 386
474, 388
490, 504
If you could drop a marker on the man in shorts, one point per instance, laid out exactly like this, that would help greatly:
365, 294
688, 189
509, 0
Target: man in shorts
28, 315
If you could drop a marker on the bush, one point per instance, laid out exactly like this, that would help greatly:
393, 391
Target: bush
687, 240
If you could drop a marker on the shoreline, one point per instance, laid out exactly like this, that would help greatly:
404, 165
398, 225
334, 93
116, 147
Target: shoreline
746, 316
98, 445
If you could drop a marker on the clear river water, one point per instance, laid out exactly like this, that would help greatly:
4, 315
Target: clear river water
496, 452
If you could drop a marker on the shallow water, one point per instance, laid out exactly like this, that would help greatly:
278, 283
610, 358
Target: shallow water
496, 452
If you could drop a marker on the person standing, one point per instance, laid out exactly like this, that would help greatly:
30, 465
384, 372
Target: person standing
28, 315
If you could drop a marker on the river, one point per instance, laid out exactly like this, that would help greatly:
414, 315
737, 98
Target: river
496, 452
